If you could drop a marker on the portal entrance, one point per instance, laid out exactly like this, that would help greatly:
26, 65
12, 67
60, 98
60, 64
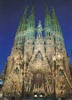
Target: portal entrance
39, 83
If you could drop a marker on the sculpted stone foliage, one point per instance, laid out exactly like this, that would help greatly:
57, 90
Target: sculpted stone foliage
38, 64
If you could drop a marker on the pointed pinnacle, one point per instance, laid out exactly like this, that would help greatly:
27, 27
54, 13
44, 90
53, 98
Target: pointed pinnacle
26, 10
53, 11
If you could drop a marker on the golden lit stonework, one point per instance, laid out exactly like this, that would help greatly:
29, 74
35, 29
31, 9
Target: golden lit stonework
38, 65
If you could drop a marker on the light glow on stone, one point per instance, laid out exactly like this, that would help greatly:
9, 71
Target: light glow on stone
35, 95
41, 95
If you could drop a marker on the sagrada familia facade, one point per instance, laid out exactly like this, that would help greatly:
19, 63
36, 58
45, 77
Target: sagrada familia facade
37, 63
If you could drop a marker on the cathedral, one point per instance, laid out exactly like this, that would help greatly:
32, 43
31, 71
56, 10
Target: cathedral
38, 64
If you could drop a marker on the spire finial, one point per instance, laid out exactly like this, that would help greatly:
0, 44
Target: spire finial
32, 11
25, 11
46, 8
53, 11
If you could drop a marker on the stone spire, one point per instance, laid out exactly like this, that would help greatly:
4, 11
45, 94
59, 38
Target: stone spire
22, 25
31, 24
47, 18
31, 19
56, 26
21, 32
59, 41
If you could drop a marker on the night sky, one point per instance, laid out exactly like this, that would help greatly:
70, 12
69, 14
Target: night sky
10, 15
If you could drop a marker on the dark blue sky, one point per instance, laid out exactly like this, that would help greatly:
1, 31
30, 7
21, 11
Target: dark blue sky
10, 15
